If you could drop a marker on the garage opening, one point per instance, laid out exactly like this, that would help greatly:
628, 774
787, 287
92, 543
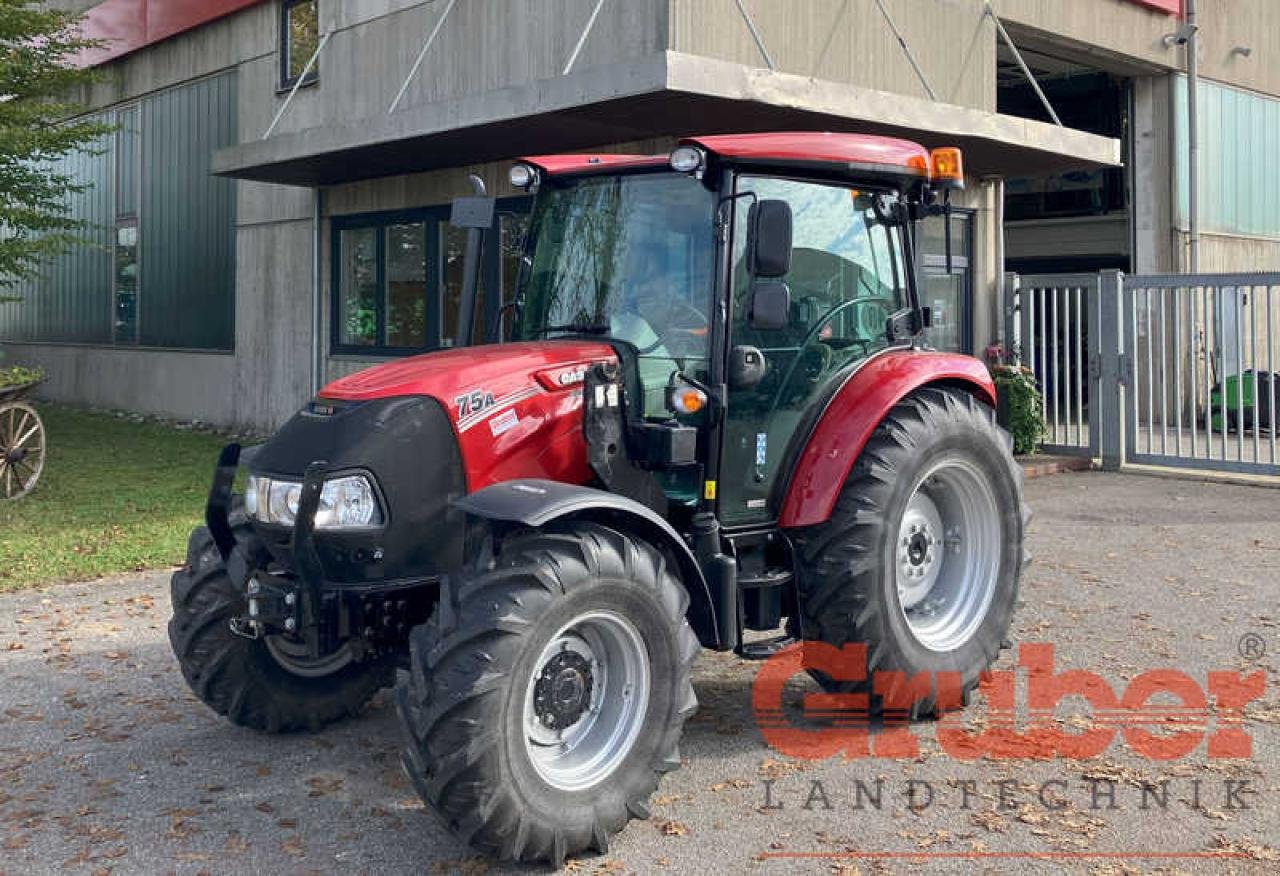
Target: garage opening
1074, 221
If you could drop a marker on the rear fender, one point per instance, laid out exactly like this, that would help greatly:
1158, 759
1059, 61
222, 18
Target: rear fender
852, 416
536, 503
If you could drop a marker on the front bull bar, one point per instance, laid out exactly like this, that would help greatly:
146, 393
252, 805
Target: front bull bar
240, 559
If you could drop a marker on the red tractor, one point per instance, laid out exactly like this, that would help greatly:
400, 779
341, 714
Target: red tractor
712, 410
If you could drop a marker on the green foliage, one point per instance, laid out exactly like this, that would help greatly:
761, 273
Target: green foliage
116, 496
19, 376
1021, 407
37, 127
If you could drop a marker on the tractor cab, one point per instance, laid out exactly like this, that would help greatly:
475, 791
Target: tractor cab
742, 279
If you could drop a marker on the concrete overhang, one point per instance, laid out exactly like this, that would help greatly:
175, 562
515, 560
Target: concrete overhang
664, 94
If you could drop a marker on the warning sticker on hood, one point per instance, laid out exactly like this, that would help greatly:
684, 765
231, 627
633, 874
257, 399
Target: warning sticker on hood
503, 422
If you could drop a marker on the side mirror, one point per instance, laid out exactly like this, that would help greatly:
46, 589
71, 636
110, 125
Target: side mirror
747, 367
769, 224
770, 306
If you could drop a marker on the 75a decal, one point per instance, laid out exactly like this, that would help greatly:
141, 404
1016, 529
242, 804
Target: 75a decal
473, 402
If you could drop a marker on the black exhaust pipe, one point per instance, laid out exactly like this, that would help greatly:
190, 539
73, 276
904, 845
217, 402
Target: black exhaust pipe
476, 215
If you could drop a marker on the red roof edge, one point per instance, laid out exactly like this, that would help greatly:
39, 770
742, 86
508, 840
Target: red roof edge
125, 26
863, 151
561, 165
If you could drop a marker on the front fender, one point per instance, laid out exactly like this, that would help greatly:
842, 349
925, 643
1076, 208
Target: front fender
853, 414
536, 503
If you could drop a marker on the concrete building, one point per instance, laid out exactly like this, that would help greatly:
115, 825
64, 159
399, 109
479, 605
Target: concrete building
256, 240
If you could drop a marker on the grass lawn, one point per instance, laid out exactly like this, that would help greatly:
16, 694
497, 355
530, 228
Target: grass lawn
116, 496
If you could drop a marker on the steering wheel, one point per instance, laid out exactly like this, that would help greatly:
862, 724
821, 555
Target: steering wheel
816, 354
701, 325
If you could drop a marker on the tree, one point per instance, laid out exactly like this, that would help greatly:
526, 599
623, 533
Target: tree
38, 126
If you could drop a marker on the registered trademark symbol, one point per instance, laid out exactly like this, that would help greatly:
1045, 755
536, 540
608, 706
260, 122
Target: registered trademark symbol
1252, 646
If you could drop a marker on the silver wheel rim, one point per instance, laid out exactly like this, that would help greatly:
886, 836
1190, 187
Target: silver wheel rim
946, 558
293, 656
586, 700
22, 449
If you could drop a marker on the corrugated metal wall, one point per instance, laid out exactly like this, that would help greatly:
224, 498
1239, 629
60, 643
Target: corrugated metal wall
187, 236
1239, 170
186, 221
71, 300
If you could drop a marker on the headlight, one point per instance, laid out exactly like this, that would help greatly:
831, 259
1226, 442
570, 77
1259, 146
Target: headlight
345, 502
282, 504
348, 501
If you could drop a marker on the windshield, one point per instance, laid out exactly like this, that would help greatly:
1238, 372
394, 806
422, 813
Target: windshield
629, 258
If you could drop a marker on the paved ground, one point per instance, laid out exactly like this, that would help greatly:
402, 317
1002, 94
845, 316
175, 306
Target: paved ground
107, 763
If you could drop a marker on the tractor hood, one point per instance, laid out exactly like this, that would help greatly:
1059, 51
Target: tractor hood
448, 375
428, 430
515, 408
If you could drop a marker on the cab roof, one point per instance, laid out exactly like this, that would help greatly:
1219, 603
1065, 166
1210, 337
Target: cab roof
831, 151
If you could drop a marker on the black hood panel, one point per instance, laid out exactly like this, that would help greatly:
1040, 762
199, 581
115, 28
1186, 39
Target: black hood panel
408, 446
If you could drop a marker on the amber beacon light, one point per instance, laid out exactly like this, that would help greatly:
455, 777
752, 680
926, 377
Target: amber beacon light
946, 167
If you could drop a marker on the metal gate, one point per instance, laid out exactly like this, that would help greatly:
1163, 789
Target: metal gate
1203, 389
1170, 370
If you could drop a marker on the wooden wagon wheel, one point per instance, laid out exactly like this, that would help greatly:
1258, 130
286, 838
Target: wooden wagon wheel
21, 449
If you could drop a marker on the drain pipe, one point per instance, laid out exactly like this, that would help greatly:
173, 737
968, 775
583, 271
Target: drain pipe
317, 313
1193, 133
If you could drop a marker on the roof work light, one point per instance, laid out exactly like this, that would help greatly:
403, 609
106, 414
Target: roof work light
523, 176
687, 159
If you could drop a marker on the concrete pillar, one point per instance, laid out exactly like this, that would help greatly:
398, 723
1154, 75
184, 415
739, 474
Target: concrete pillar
1152, 174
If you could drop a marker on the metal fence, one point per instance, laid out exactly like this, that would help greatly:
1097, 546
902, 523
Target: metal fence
1171, 370
1052, 321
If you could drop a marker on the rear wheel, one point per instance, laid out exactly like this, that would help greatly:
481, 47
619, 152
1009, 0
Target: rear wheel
921, 557
547, 694
267, 684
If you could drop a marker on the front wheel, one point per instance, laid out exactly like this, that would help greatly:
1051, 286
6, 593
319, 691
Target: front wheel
921, 557
547, 694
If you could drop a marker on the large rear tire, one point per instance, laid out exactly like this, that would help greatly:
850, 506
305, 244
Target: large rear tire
547, 694
256, 683
921, 557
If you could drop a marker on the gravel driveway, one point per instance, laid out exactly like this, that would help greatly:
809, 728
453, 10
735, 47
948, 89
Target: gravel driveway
107, 763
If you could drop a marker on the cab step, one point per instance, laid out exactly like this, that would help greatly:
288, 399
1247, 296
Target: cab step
766, 578
765, 648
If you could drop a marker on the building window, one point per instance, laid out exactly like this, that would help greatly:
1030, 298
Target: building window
357, 323
948, 295
126, 282
299, 38
397, 279
1239, 176
406, 285
128, 175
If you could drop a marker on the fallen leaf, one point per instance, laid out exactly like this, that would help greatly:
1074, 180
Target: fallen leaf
672, 828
